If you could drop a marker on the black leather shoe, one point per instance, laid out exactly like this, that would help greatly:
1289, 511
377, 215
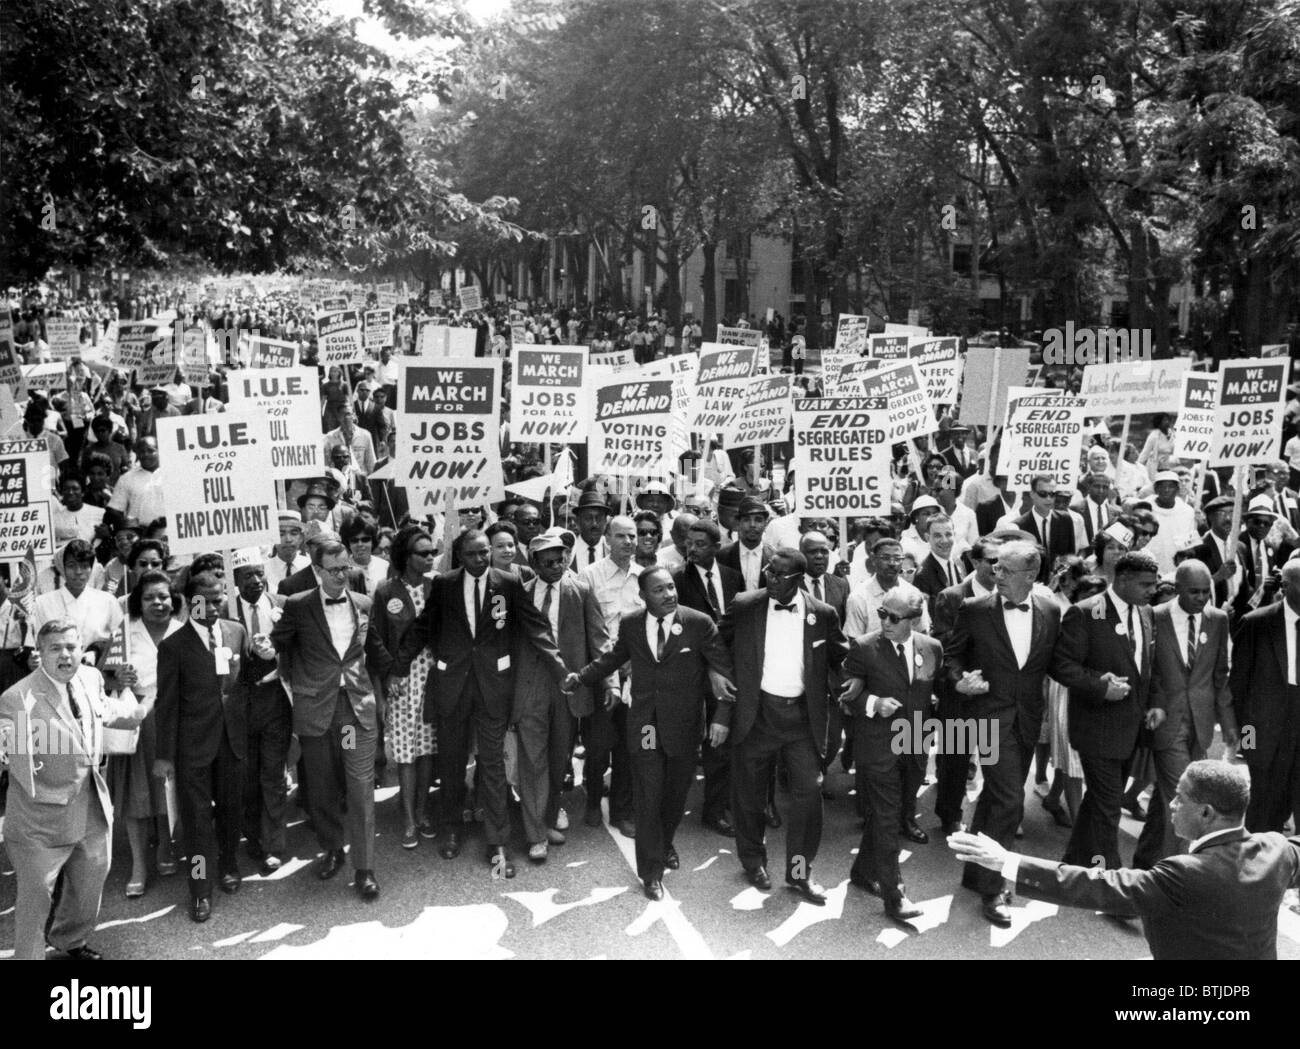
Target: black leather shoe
499, 860
626, 828
1058, 813
84, 954
230, 882
270, 864
902, 909
592, 817
772, 817
671, 860
807, 890
997, 909
867, 885
366, 885
722, 825
911, 830
1134, 808
654, 890
758, 877
330, 864
947, 827
450, 847
200, 909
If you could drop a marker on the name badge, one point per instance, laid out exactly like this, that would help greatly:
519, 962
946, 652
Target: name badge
1205, 638
222, 655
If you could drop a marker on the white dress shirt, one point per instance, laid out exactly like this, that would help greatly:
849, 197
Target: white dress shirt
552, 613
616, 590
467, 588
717, 584
75, 524
1290, 618
1180, 620
139, 494
1042, 527
1238, 577
96, 613
1098, 515
1020, 628
783, 649
586, 555
339, 620
965, 526
751, 565
277, 571
860, 616
652, 631
1122, 608
909, 658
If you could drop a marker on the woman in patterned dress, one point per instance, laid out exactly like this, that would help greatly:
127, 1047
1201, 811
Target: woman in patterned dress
409, 739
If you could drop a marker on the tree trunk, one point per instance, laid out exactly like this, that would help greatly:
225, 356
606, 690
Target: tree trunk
709, 289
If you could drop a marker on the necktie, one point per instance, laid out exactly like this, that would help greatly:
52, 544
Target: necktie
344, 600
902, 659
72, 702
1261, 562
591, 554
817, 588
1132, 641
660, 639
257, 622
952, 575
478, 606
714, 603
546, 600
1012, 606
1191, 641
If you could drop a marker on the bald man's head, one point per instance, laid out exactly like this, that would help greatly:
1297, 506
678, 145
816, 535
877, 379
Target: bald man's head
1194, 586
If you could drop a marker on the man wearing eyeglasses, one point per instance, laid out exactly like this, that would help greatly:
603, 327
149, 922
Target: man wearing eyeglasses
997, 655
1053, 530
787, 648
860, 616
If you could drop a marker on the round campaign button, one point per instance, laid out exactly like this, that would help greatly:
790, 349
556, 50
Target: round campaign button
919, 661
812, 619
677, 629
1204, 637
394, 606
1120, 629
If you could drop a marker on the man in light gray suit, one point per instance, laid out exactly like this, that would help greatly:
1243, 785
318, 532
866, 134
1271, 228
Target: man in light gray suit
543, 716
1190, 684
59, 818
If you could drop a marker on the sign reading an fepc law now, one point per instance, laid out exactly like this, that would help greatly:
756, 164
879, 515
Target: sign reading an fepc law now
548, 396
1252, 398
1195, 430
447, 432
220, 491
720, 386
290, 399
841, 456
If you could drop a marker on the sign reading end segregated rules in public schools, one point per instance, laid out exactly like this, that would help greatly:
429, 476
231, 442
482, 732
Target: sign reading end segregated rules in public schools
841, 456
220, 487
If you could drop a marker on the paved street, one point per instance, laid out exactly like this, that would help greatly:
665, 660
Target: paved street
586, 903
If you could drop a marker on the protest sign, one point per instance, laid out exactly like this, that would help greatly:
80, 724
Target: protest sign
615, 360
833, 362
1133, 387
338, 338
914, 331
42, 378
470, 299
841, 457
261, 352
903, 389
853, 370
11, 365
448, 431
720, 386
764, 417
738, 336
888, 347
439, 339
682, 371
158, 366
851, 334
548, 394
196, 356
334, 303
378, 334
1194, 430
1043, 435
137, 343
220, 492
290, 399
985, 377
1275, 349
25, 499
1252, 400
632, 429
940, 363
63, 334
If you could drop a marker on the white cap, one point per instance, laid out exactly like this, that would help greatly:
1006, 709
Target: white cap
246, 558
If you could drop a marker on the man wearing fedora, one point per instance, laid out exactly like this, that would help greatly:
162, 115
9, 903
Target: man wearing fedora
592, 518
1223, 555
1260, 560
747, 554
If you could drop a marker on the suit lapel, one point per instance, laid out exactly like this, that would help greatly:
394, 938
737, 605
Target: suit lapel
57, 701
1000, 624
760, 614
1279, 640
316, 604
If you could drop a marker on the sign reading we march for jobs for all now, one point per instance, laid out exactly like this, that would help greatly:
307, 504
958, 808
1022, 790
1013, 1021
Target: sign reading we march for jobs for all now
549, 399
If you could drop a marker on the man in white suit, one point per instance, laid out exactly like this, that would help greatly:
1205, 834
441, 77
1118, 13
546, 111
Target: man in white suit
59, 817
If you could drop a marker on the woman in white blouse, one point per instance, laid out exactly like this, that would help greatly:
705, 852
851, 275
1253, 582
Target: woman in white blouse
96, 613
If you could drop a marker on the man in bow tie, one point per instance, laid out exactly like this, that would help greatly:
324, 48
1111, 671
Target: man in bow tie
997, 655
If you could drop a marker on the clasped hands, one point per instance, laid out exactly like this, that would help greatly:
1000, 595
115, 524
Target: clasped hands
886, 706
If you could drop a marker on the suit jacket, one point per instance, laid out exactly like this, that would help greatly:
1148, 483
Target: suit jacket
1109, 512
930, 577
1088, 647
195, 703
1208, 551
874, 659
305, 579
667, 696
583, 637
1219, 903
835, 592
990, 512
729, 556
979, 640
312, 668
1199, 691
690, 587
267, 698
1258, 681
489, 652
51, 761
744, 628
966, 469
943, 614
1060, 538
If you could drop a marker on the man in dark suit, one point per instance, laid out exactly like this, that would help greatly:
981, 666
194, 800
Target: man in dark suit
476, 618
1103, 657
1265, 687
747, 555
997, 655
990, 511
202, 713
897, 670
787, 649
542, 715
1095, 507
1260, 561
1189, 682
327, 648
1053, 530
959, 454
1221, 554
709, 587
1216, 902
940, 569
825, 586
670, 648
376, 418
307, 578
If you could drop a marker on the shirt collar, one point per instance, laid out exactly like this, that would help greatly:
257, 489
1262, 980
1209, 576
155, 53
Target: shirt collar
797, 601
1200, 842
669, 619
979, 588
1121, 605
1290, 615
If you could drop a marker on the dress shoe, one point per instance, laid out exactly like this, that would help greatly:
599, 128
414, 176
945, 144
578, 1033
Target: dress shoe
230, 882
671, 860
1058, 812
330, 864
772, 817
947, 827
498, 858
84, 954
427, 828
592, 817
626, 828
1134, 808
722, 825
135, 889
997, 909
167, 865
410, 838
366, 885
654, 890
450, 848
561, 820
758, 877
902, 909
810, 892
556, 836
271, 864
200, 909
537, 852
866, 885
912, 831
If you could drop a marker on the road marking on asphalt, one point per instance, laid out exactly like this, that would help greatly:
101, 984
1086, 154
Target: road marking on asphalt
135, 921
807, 914
542, 905
276, 932
1021, 919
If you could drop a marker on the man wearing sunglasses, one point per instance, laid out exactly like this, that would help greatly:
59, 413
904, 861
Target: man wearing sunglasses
787, 649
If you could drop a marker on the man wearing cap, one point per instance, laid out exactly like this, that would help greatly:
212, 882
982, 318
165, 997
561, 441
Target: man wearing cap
1221, 554
961, 454
593, 516
1052, 530
1285, 502
317, 501
542, 715
913, 538
138, 492
308, 578
288, 556
1176, 518
746, 555
656, 496
1260, 562
348, 435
